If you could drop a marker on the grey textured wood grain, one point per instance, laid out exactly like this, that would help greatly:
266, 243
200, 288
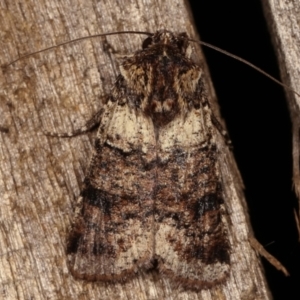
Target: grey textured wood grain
283, 19
41, 176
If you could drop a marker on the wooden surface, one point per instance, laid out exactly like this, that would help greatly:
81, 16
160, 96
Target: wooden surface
283, 18
41, 176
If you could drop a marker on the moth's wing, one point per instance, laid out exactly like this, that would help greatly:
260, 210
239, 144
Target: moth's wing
190, 240
112, 232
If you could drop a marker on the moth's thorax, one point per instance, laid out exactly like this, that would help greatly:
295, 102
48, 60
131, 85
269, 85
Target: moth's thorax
163, 77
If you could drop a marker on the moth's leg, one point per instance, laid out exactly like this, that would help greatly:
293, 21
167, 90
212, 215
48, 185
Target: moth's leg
95, 120
116, 58
89, 125
112, 54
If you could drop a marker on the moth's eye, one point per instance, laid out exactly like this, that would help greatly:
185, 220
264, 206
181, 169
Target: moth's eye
147, 42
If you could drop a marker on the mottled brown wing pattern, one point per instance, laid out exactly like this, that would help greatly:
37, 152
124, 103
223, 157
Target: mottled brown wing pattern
189, 219
112, 233
153, 194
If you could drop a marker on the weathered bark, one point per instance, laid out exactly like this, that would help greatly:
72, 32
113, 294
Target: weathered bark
283, 19
41, 176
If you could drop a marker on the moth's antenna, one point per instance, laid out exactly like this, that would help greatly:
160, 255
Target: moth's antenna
76, 40
245, 62
149, 34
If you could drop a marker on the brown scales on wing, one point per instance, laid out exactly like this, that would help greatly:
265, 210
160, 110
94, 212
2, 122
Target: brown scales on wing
153, 192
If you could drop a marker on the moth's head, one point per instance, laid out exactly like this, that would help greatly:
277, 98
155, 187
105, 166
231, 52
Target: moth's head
176, 41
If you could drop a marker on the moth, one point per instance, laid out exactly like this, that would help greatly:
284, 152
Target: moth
153, 194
